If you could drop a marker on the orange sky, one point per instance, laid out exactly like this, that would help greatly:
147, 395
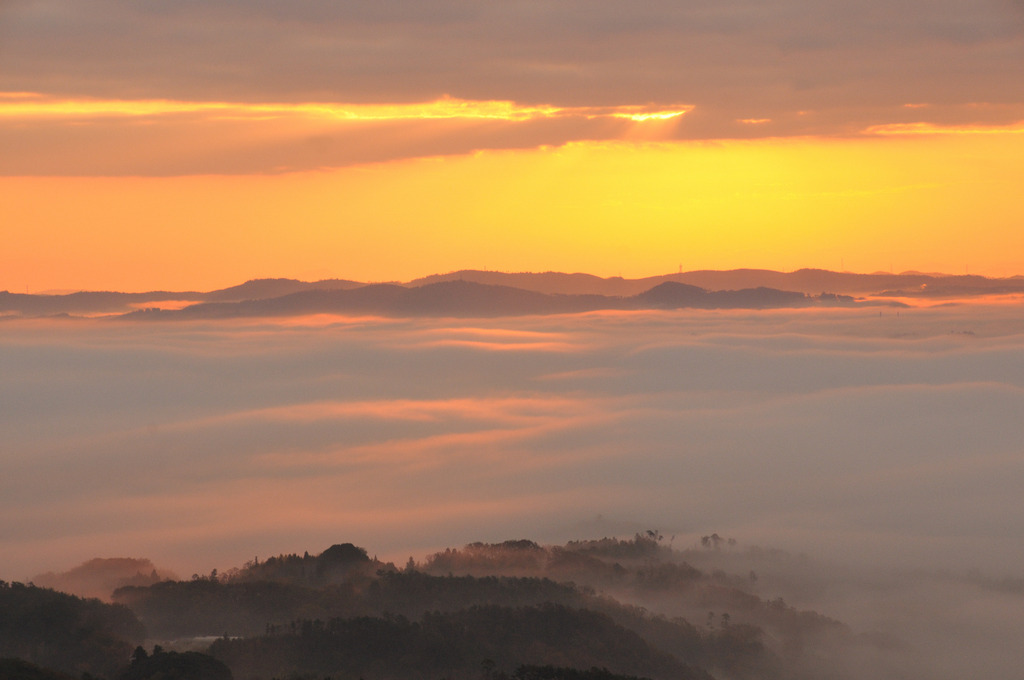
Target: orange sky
197, 145
924, 198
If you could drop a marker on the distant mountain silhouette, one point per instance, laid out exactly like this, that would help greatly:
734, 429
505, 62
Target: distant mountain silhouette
262, 289
810, 281
84, 302
547, 282
672, 295
108, 302
447, 298
99, 577
461, 298
482, 293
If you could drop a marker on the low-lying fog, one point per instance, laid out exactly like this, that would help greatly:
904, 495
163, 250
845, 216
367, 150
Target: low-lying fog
887, 448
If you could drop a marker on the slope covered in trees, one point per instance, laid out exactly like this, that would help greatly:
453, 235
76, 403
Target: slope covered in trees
63, 632
515, 609
453, 645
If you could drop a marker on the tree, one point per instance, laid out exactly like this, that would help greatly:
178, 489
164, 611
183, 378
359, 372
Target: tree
712, 541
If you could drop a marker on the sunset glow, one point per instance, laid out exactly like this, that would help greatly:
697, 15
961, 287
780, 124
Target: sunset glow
32, 106
609, 208
395, 191
581, 162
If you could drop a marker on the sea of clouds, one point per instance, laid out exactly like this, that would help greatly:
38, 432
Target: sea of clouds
851, 435
882, 451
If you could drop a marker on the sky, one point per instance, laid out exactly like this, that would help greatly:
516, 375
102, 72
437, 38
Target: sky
194, 145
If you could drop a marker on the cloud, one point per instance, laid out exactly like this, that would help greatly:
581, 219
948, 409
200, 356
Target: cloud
94, 137
802, 67
855, 437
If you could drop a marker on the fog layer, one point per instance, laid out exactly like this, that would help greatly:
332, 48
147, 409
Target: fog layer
851, 435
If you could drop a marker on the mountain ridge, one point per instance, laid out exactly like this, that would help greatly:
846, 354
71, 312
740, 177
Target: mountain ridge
461, 298
559, 291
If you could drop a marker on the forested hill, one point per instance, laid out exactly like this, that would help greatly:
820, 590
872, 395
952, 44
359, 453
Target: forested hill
64, 633
481, 612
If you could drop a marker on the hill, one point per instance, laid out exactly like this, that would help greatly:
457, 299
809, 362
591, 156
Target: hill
99, 577
65, 633
470, 293
461, 298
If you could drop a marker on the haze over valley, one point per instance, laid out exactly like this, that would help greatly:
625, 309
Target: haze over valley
862, 459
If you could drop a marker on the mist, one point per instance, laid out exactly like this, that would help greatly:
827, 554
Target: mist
849, 434
880, 450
